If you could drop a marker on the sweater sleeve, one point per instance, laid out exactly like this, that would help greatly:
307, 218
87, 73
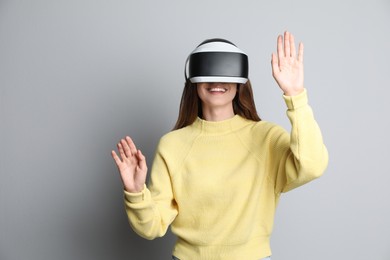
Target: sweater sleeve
302, 154
151, 211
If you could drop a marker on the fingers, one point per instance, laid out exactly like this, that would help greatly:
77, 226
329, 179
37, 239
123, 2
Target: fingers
292, 46
121, 151
127, 146
280, 47
115, 157
287, 44
131, 145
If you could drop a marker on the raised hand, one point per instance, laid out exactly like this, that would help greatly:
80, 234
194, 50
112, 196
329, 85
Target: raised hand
132, 165
287, 67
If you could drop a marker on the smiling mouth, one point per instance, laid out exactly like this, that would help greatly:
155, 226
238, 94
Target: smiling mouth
217, 90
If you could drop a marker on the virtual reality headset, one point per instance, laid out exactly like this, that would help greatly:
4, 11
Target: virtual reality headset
217, 60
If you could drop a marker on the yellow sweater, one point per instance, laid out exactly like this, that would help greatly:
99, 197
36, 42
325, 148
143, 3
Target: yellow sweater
218, 183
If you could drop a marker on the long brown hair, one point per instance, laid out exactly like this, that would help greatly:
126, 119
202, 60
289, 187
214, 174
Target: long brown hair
191, 105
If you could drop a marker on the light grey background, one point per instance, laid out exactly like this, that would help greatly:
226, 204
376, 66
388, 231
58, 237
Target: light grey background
76, 76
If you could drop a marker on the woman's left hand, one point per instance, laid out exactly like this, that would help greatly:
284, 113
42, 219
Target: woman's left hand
287, 67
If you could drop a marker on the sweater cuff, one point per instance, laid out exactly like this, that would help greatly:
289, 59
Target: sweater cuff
294, 102
138, 196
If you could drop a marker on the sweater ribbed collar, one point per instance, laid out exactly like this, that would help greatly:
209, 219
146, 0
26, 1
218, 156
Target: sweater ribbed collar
219, 127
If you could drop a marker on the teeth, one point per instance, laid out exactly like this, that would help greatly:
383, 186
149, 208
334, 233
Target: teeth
217, 90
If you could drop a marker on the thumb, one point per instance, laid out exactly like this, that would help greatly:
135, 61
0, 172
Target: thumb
274, 64
141, 161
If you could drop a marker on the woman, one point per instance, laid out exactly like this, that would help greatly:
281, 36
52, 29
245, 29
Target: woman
217, 178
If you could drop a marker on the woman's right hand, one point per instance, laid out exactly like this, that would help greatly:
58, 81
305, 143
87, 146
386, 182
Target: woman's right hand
131, 165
